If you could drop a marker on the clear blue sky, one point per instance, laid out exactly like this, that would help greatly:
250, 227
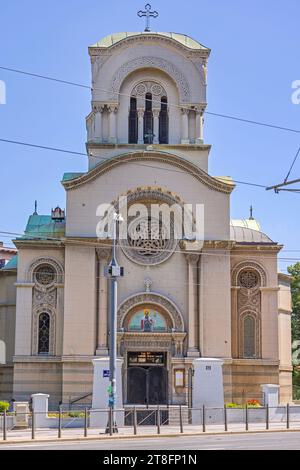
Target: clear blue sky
254, 60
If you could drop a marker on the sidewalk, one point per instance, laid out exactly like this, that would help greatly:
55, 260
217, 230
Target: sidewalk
43, 434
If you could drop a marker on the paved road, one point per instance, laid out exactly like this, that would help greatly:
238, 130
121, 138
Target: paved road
283, 441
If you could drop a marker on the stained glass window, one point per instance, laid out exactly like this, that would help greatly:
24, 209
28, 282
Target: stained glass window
44, 333
249, 336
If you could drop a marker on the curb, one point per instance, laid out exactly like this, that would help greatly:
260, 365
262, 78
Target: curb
142, 436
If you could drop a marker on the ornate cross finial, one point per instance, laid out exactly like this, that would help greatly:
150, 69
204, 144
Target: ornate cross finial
148, 14
251, 213
148, 284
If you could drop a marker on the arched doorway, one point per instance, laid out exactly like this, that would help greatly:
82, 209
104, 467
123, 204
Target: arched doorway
147, 376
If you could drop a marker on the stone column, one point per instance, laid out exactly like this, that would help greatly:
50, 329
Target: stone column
140, 125
98, 123
199, 126
234, 322
113, 124
193, 320
59, 320
185, 126
102, 346
156, 125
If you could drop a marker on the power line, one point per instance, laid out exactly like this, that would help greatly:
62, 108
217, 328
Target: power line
292, 165
45, 77
112, 92
117, 158
133, 248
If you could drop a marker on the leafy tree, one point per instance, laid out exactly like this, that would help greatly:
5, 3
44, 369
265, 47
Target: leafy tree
294, 270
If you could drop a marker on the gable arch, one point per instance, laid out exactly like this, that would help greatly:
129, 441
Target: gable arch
154, 299
151, 62
153, 156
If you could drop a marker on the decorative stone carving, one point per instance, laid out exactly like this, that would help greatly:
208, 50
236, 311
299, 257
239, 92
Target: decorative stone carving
50, 262
248, 265
155, 62
44, 298
148, 284
148, 242
151, 298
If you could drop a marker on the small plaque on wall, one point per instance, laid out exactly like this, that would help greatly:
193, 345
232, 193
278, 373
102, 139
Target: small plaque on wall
179, 378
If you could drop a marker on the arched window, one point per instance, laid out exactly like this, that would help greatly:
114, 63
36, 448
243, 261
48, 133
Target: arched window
249, 281
133, 122
163, 121
44, 333
148, 120
249, 334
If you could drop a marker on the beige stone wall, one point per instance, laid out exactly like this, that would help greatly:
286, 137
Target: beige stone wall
214, 304
286, 385
82, 202
248, 375
80, 312
6, 382
77, 381
8, 312
34, 375
285, 340
194, 154
27, 256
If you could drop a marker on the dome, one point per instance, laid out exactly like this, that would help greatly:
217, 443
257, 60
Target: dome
182, 39
248, 231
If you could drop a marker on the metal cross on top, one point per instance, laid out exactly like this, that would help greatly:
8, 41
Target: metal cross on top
148, 14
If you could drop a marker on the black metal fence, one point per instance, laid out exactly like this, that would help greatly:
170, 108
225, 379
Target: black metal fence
142, 420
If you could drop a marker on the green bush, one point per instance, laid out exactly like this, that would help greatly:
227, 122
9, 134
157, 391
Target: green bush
4, 406
232, 405
76, 414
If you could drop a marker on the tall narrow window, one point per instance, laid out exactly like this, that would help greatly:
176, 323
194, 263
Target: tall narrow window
249, 336
44, 333
148, 120
133, 122
163, 121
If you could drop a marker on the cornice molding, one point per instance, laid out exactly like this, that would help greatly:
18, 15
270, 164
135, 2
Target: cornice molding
157, 147
123, 44
167, 158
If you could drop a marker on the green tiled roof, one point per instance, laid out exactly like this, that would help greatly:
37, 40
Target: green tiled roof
71, 176
112, 39
12, 264
43, 226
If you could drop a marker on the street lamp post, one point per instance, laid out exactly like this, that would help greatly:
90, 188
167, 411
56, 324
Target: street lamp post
112, 271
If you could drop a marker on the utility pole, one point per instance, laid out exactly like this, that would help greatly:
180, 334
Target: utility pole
112, 271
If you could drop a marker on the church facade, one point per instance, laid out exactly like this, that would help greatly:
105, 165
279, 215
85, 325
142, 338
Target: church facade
178, 300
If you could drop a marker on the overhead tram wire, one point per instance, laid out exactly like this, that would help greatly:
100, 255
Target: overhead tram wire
112, 92
281, 186
105, 245
113, 159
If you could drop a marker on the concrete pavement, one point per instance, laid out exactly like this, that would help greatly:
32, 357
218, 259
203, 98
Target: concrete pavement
251, 441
